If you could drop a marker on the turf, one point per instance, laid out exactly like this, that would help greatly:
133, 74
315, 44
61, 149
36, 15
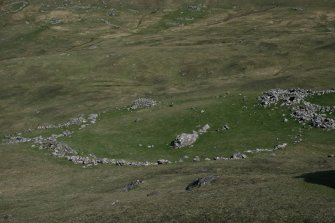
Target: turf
218, 59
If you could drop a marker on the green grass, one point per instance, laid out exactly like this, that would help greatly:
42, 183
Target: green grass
118, 134
324, 100
50, 74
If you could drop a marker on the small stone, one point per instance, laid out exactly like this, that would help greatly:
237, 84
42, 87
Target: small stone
196, 159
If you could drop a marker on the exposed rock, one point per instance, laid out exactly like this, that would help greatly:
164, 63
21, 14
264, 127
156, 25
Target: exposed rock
184, 140
142, 103
196, 159
132, 185
199, 182
238, 156
204, 129
280, 146
162, 161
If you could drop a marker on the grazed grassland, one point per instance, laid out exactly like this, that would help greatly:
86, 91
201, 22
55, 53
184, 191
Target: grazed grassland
59, 59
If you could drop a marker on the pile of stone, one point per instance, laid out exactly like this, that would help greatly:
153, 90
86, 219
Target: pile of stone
20, 139
142, 103
286, 97
302, 110
58, 149
314, 114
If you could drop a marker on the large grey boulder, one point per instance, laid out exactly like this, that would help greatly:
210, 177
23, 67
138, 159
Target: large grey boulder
184, 140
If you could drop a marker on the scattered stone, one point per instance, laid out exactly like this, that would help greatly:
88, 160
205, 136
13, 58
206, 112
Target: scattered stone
331, 155
142, 103
207, 159
285, 120
199, 182
132, 185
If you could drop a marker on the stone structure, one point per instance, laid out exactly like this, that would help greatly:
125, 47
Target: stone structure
303, 111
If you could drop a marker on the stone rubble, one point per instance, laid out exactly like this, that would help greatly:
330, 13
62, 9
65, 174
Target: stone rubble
79, 121
142, 103
302, 111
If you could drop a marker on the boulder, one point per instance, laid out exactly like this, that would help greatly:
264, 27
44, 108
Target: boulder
131, 185
237, 156
184, 140
199, 182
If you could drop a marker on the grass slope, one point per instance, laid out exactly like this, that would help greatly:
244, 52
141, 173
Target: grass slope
93, 61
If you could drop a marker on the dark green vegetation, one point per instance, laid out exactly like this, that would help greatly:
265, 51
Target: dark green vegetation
103, 54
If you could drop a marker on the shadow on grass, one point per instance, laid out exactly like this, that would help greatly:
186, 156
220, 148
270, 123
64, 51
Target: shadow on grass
326, 178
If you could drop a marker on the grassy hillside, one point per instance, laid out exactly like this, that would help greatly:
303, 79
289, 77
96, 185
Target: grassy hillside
59, 59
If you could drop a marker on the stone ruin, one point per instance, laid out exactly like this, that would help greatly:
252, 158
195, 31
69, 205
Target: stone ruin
302, 111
